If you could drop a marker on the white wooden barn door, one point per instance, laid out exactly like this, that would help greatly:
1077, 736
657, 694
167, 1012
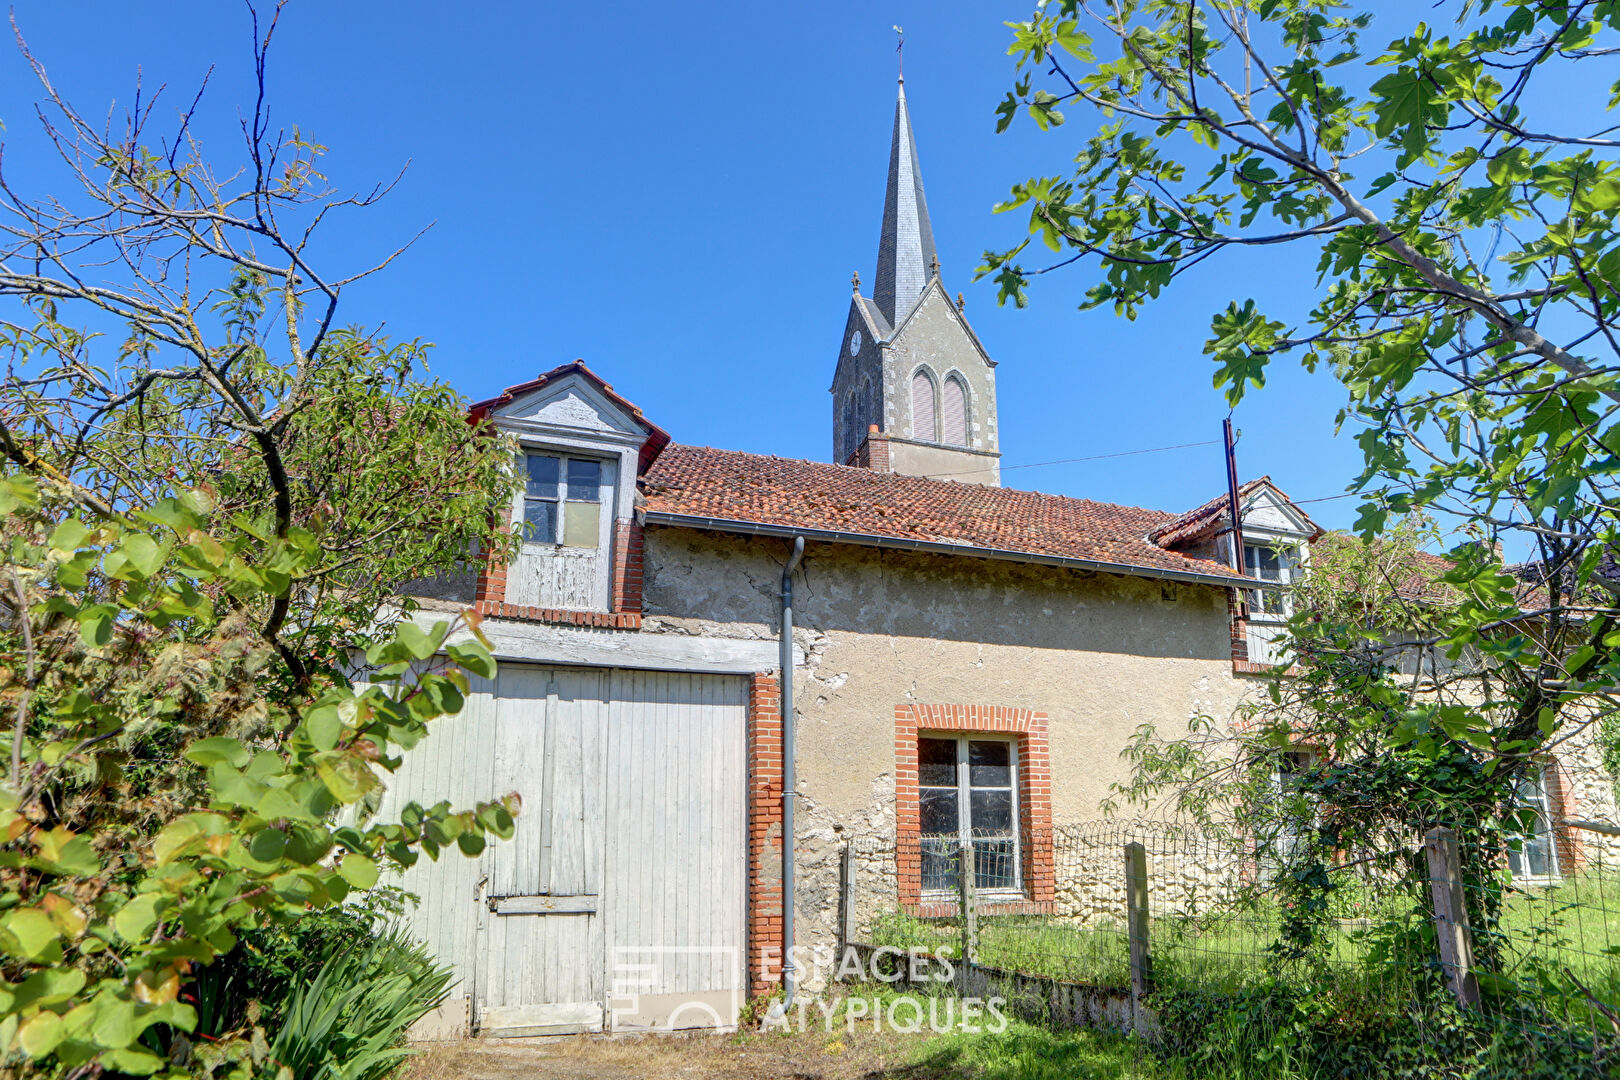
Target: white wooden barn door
542, 956
676, 854
620, 900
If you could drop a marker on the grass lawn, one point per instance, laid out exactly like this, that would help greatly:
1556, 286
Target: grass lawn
1574, 924
850, 1050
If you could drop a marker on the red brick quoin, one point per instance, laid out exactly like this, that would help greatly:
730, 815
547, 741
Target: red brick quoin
1034, 801
627, 567
1563, 802
764, 834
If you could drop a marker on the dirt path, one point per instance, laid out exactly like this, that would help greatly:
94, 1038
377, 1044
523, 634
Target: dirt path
838, 1056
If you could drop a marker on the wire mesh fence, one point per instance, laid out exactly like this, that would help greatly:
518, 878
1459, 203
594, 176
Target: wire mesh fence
1483, 922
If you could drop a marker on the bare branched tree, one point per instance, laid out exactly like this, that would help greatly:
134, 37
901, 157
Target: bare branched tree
167, 322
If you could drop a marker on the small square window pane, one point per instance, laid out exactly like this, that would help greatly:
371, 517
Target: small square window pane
939, 817
1263, 562
539, 522
939, 864
543, 473
991, 813
582, 524
990, 764
936, 762
995, 864
584, 479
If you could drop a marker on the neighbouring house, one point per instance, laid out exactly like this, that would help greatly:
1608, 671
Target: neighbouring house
967, 660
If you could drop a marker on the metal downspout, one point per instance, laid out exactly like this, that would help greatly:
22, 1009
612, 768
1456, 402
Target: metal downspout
789, 780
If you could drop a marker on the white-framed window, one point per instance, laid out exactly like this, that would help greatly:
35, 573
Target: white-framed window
562, 500
968, 792
1268, 560
1537, 856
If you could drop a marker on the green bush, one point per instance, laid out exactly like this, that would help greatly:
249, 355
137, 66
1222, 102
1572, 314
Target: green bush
1278, 1032
349, 1020
269, 961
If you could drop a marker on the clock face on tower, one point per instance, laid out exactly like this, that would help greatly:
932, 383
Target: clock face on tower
855, 343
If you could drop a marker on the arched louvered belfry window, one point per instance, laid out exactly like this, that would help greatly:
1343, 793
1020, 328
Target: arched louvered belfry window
954, 410
864, 413
923, 426
848, 424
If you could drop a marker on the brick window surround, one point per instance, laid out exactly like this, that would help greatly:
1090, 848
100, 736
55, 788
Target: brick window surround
1028, 729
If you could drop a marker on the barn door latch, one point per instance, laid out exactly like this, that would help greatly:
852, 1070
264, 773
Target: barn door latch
545, 904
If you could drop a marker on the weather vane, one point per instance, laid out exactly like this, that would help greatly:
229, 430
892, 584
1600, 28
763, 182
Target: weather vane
899, 52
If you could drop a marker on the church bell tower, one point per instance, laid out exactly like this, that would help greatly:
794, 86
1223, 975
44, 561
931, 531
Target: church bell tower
914, 391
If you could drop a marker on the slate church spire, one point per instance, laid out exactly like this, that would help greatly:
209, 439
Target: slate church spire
914, 391
906, 255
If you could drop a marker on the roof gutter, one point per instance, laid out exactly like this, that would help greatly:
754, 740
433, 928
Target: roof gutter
937, 547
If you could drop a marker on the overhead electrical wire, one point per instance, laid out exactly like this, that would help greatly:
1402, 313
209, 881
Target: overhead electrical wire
1092, 457
1133, 453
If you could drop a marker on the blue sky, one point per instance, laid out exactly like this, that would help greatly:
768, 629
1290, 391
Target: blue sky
678, 194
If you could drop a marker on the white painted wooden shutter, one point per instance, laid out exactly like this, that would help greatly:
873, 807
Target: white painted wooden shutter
955, 402
922, 408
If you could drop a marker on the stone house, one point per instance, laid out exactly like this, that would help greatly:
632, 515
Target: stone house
967, 660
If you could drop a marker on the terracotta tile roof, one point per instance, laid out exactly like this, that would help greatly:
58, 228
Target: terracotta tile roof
1194, 522
729, 485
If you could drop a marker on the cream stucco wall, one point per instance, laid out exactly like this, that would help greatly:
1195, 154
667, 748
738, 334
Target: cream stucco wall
1099, 654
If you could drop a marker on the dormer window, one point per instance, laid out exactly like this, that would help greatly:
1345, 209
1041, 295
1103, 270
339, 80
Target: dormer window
562, 501
1268, 561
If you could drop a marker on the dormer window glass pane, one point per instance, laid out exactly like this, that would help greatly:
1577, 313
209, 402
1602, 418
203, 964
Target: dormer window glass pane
582, 513
562, 501
540, 493
582, 524
584, 480
539, 521
544, 473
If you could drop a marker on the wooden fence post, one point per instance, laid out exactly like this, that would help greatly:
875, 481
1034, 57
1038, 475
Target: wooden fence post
1451, 914
967, 882
846, 910
1136, 920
